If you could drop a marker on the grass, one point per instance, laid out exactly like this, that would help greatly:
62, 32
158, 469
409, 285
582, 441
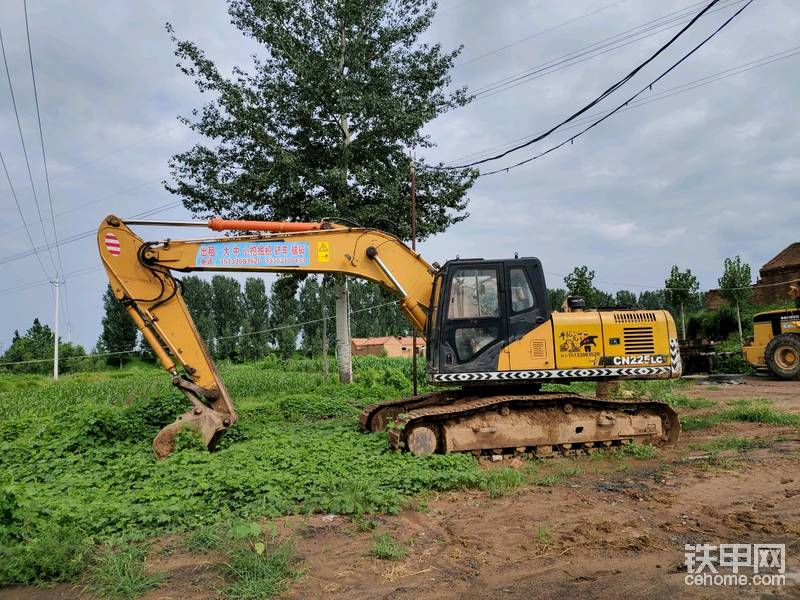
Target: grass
637, 451
543, 535
750, 411
203, 539
499, 482
562, 472
386, 547
118, 573
259, 569
732, 442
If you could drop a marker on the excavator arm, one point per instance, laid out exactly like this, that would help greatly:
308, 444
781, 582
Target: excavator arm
141, 276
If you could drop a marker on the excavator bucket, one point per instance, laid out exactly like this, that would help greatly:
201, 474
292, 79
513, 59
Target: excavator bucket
207, 422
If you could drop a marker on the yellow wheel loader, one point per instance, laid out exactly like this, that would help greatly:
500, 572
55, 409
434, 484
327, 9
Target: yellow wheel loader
775, 343
492, 339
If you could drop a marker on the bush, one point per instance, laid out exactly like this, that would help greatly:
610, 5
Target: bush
51, 555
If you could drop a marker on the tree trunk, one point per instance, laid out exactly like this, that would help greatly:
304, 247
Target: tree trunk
683, 323
739, 321
322, 296
343, 359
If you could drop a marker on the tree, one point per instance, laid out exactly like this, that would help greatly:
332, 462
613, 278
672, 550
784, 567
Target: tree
556, 297
734, 286
119, 331
376, 312
283, 320
255, 338
199, 297
679, 288
652, 300
323, 125
579, 283
32, 352
228, 315
626, 299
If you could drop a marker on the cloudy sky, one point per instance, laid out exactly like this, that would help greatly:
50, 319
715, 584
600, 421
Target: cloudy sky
699, 173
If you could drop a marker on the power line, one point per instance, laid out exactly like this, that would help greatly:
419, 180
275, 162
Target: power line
537, 34
84, 234
604, 46
90, 203
610, 113
663, 95
22, 216
43, 282
44, 162
238, 335
24, 148
611, 89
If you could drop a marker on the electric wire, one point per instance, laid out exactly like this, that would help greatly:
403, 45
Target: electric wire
24, 148
537, 34
610, 90
604, 46
679, 89
65, 295
594, 124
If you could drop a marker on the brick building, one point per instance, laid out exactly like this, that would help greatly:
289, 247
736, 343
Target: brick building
395, 346
772, 286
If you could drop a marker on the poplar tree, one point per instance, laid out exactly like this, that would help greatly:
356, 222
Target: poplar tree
119, 331
322, 124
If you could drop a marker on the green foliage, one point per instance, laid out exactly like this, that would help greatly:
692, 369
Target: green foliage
734, 285
680, 288
203, 539
752, 411
637, 451
38, 553
37, 345
199, 297
322, 124
119, 331
228, 307
556, 297
257, 566
386, 547
580, 283
255, 341
118, 572
626, 299
283, 305
77, 452
562, 472
499, 482
734, 363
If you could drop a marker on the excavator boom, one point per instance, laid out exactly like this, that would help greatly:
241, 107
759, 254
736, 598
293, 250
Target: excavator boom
141, 278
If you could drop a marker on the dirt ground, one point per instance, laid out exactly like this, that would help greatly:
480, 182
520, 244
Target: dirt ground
616, 531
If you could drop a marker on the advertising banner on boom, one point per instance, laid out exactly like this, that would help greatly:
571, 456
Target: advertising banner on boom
252, 254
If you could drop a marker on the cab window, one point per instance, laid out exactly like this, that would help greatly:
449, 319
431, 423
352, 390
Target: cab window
473, 294
522, 297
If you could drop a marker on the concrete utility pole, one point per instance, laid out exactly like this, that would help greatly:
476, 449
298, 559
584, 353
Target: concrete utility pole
414, 248
57, 283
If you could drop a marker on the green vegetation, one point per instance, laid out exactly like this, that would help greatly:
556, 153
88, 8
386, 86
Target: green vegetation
753, 411
499, 482
386, 547
562, 472
732, 442
75, 458
637, 451
118, 572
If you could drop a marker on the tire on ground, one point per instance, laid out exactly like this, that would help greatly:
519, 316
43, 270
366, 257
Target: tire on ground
783, 356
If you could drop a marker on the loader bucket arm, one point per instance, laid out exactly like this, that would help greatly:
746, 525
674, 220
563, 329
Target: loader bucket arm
141, 277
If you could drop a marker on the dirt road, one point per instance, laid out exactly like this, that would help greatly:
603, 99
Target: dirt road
607, 527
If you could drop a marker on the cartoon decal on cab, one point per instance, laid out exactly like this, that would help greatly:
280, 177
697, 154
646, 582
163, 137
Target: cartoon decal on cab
576, 342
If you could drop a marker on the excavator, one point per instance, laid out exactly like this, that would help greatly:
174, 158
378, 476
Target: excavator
492, 339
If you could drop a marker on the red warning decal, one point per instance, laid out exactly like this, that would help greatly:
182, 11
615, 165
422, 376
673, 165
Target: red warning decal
112, 244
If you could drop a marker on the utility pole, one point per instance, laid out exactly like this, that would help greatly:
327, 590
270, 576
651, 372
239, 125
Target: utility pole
413, 175
57, 283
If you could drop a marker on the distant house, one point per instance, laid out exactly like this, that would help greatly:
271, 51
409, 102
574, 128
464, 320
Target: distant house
390, 345
773, 280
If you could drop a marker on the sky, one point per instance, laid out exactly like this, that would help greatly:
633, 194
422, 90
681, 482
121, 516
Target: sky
696, 174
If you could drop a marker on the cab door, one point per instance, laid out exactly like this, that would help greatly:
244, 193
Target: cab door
474, 318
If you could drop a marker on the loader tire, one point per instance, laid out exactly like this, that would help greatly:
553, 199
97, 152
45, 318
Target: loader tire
783, 356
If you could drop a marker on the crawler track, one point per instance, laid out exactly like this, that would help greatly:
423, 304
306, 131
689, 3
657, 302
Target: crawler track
541, 424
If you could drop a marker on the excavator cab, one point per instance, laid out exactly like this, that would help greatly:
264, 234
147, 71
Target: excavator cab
478, 307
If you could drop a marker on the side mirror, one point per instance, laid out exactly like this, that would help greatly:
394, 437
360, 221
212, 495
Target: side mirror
576, 302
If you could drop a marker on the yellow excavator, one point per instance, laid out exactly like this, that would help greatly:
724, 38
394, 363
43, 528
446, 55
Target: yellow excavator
492, 339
